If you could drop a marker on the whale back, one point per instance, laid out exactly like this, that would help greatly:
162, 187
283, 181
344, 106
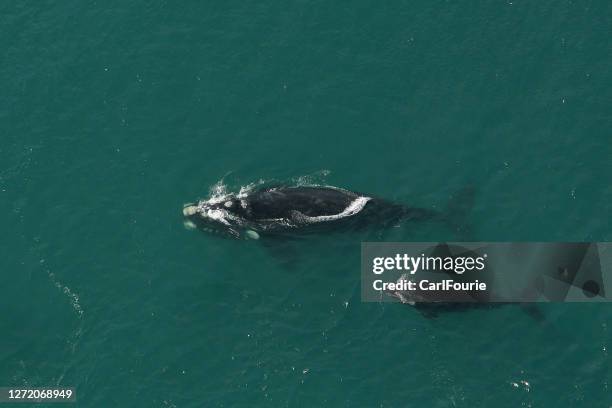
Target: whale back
309, 201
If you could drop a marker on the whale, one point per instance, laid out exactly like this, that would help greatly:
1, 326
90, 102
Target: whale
269, 211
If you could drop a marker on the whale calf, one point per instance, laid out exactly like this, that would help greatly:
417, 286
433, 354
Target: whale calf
297, 209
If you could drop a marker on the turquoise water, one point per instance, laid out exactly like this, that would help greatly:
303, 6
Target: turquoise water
114, 114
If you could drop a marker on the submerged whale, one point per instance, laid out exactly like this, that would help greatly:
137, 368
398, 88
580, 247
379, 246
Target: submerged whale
288, 209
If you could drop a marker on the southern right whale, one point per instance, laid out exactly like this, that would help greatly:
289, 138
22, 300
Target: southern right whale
304, 209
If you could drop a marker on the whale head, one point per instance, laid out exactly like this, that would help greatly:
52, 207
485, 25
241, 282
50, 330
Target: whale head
219, 216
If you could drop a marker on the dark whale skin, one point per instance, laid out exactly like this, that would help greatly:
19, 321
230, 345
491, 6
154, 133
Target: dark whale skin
310, 201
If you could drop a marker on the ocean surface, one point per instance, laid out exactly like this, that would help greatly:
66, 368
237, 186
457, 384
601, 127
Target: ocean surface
114, 114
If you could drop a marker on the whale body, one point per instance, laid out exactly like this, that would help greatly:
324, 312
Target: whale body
297, 209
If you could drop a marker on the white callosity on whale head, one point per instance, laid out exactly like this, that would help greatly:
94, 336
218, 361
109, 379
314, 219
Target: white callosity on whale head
215, 214
252, 234
220, 210
204, 210
190, 210
209, 209
190, 225
353, 208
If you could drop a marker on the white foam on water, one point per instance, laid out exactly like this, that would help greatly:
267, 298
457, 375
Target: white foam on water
218, 193
314, 179
73, 297
245, 190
